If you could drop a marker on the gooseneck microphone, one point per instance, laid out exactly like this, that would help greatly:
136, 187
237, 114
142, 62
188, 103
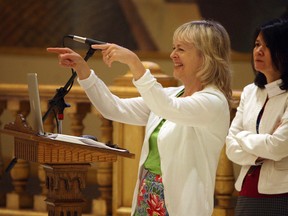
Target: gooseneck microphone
57, 102
85, 40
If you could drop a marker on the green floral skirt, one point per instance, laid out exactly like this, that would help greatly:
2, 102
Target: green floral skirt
150, 199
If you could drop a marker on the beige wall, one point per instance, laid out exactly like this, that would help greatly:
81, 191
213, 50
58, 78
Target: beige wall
14, 67
160, 18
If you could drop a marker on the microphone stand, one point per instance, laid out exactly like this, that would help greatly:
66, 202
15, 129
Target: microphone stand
57, 104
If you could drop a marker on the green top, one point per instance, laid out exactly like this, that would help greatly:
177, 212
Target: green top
152, 162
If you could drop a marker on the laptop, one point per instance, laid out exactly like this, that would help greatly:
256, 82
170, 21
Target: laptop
35, 108
37, 122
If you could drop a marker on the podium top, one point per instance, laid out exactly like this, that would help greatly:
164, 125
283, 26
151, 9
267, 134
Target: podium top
32, 147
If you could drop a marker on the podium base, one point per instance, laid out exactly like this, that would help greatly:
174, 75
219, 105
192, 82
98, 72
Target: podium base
19, 201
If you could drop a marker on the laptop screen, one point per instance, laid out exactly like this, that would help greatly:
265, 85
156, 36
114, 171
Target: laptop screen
35, 108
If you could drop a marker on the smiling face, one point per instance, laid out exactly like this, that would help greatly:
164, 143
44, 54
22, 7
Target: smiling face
187, 61
201, 53
263, 61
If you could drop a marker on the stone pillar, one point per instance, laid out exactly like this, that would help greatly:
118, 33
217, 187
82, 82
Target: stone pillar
131, 138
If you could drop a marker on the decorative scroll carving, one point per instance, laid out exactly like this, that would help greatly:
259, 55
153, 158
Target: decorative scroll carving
65, 184
63, 181
20, 124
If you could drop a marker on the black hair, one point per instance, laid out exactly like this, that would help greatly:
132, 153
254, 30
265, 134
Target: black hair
275, 35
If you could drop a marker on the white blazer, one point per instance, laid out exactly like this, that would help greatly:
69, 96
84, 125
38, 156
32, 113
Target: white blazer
244, 145
189, 142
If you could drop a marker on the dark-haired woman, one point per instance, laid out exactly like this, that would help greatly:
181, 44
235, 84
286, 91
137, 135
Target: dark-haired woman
258, 136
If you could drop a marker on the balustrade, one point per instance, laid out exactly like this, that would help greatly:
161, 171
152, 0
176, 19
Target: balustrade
14, 100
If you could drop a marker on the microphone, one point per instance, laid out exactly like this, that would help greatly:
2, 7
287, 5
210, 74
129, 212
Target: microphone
85, 40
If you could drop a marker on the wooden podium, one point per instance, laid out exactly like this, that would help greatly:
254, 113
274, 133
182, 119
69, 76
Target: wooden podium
66, 165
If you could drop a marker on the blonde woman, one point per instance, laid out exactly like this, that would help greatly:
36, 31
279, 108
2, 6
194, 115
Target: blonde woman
186, 126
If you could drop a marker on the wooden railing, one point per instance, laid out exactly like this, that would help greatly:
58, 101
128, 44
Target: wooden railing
19, 201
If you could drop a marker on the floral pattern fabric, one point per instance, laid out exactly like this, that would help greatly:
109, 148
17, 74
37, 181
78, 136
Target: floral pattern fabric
150, 200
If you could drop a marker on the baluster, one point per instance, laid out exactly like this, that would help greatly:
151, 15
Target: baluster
77, 113
103, 205
224, 187
19, 198
39, 199
49, 123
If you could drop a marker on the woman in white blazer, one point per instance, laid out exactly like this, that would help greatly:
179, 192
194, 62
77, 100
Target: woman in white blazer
186, 126
258, 136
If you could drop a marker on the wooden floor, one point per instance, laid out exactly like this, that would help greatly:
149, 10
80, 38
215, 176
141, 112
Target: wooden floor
9, 212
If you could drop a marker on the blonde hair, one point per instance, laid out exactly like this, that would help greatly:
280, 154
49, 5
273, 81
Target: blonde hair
213, 41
